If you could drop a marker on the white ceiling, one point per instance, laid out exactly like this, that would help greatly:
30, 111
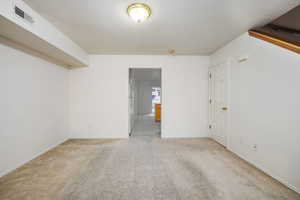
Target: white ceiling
147, 74
191, 27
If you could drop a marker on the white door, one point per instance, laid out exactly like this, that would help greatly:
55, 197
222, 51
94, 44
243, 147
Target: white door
218, 103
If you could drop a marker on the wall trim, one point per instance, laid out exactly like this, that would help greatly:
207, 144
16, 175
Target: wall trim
6, 172
184, 137
104, 138
266, 171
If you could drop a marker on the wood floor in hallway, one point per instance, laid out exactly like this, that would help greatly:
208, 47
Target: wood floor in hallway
138, 169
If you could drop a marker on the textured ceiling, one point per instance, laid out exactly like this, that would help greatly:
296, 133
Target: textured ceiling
191, 27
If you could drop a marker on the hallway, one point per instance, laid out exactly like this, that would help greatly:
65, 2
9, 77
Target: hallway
145, 125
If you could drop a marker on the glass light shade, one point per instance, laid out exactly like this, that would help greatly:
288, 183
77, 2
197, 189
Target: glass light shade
139, 12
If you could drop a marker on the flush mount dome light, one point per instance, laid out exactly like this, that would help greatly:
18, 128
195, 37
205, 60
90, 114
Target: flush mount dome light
139, 12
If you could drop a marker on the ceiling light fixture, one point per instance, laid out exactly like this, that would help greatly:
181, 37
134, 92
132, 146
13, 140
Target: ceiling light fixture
139, 12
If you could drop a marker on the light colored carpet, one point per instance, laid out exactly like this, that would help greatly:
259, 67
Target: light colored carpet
141, 168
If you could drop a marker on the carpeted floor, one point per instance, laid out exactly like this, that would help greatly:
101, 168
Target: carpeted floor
141, 168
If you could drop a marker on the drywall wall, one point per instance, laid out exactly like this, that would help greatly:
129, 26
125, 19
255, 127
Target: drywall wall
44, 37
99, 95
34, 107
264, 106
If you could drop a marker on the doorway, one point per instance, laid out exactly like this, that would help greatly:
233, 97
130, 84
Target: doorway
156, 99
218, 102
145, 102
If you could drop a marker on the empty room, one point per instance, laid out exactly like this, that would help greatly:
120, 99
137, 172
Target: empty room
150, 100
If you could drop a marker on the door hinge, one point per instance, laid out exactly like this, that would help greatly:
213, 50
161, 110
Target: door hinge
210, 126
209, 75
210, 101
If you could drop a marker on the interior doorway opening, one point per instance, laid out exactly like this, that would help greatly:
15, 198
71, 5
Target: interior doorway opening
145, 102
156, 98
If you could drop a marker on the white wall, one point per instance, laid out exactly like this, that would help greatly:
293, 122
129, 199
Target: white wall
41, 28
33, 105
265, 106
99, 96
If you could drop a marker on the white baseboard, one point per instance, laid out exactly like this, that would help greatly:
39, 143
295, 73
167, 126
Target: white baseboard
35, 156
266, 171
100, 138
183, 137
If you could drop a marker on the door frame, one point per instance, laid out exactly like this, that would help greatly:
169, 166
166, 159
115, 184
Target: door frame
161, 94
227, 64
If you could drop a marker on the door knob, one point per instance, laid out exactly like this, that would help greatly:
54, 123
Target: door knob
224, 108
